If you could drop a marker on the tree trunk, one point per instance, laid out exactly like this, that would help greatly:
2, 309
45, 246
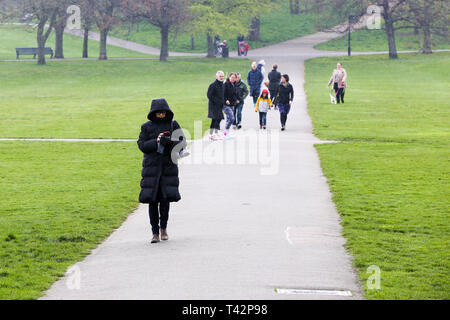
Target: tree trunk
390, 31
297, 7
211, 44
41, 44
59, 42
192, 42
86, 42
426, 40
103, 38
291, 6
254, 30
164, 54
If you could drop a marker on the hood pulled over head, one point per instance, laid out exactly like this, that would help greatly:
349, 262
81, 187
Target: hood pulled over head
160, 105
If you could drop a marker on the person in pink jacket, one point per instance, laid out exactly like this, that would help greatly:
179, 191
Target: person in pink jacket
339, 81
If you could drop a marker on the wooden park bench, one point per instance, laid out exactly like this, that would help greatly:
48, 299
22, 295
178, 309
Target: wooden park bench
32, 51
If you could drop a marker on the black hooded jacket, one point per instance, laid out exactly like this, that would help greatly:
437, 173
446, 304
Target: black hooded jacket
159, 171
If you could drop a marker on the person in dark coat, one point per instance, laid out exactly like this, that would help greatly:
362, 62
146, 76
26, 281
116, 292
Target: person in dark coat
230, 99
225, 49
240, 43
254, 80
284, 99
216, 97
242, 93
159, 184
274, 82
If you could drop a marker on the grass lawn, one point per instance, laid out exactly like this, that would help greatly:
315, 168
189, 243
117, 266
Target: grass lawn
390, 176
58, 199
110, 99
276, 25
13, 36
376, 40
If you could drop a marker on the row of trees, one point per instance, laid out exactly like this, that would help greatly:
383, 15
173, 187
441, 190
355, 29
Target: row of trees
204, 16
429, 16
210, 17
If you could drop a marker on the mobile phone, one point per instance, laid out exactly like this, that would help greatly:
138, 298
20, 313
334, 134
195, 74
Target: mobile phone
167, 133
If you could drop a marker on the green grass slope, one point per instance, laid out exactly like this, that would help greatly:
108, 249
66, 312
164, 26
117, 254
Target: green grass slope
376, 40
110, 99
390, 176
59, 200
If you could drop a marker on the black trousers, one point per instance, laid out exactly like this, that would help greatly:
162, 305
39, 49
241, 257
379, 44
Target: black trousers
159, 215
340, 92
215, 125
283, 119
273, 94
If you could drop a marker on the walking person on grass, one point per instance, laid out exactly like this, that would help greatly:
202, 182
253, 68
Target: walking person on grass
215, 105
159, 184
283, 100
339, 81
263, 105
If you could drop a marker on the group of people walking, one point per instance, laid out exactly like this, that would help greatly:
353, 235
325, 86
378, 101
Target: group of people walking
159, 184
226, 98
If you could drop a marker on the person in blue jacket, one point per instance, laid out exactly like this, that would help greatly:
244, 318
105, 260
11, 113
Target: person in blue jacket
255, 80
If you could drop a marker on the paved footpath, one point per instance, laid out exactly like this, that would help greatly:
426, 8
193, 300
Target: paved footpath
236, 234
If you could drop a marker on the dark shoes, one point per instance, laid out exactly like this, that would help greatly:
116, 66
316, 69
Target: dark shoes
164, 235
155, 238
283, 128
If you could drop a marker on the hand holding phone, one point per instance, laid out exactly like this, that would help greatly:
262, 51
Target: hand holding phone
166, 134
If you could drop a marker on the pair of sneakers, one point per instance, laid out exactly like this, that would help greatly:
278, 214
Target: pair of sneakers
216, 137
219, 136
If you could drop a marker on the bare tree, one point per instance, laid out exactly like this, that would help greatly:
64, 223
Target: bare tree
353, 10
254, 31
294, 6
60, 25
105, 14
164, 14
432, 17
8, 9
88, 18
45, 11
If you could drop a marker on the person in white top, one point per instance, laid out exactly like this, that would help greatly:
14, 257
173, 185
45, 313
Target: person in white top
262, 69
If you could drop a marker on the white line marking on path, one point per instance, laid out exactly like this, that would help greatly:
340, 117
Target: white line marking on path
344, 293
288, 236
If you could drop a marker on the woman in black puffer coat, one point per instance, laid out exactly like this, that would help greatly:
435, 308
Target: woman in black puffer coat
159, 184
